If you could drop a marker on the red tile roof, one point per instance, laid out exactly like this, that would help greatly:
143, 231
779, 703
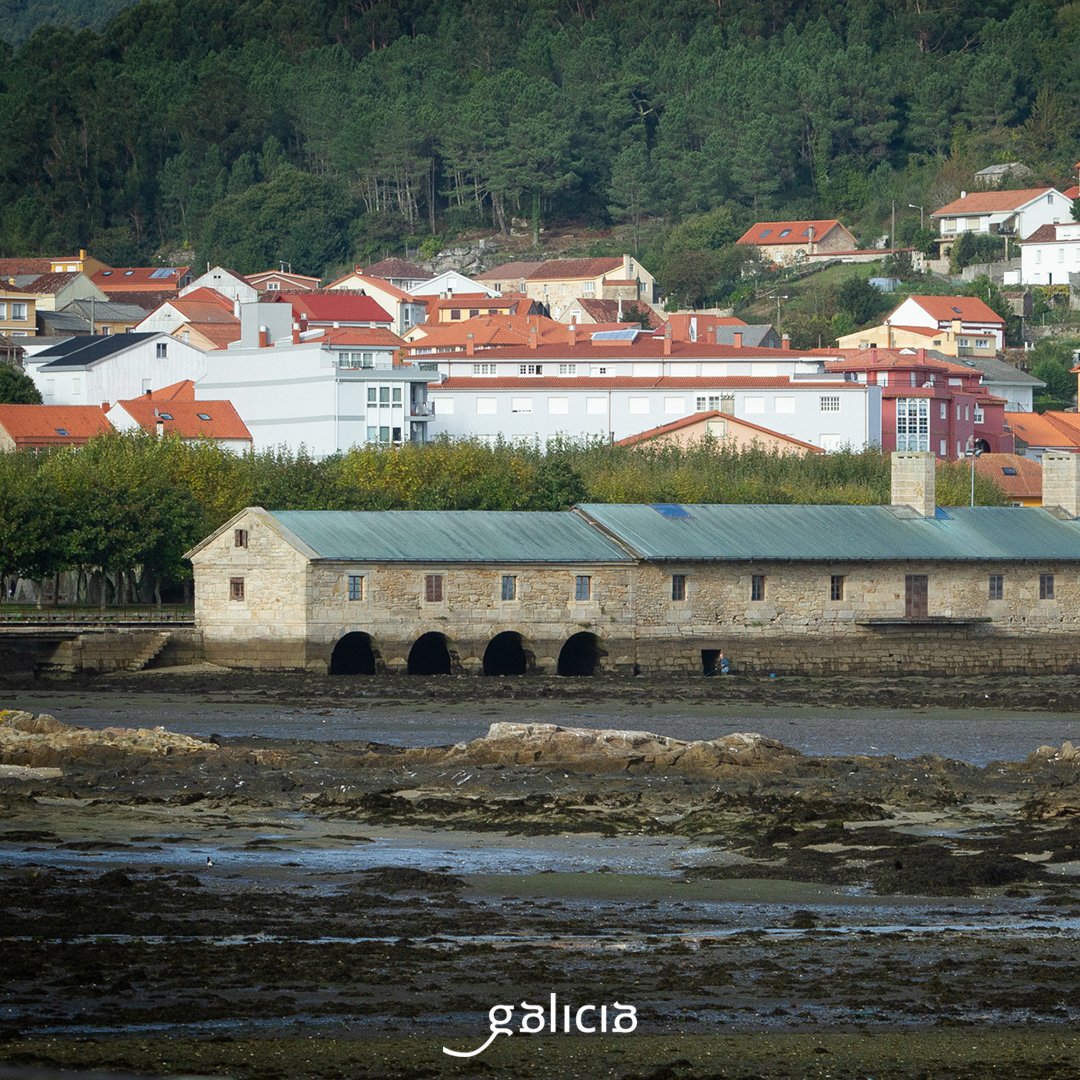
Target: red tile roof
184, 390
17, 267
1047, 234
572, 269
397, 268
966, 308
300, 281
461, 301
1072, 192
701, 417
140, 278
1025, 480
509, 271
771, 233
41, 425
218, 334
1057, 430
51, 283
990, 202
369, 281
185, 418
362, 335
342, 306
608, 310
890, 359
146, 299
509, 331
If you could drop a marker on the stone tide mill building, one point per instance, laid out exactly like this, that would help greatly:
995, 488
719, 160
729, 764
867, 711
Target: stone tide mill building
636, 589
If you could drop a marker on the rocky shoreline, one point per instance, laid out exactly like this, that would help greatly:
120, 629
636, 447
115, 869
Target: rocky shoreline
367, 904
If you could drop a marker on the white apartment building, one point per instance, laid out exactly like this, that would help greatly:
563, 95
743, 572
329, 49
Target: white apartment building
1051, 254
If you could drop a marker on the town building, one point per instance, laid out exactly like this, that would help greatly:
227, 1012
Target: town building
225, 283
142, 279
18, 311
788, 242
173, 410
43, 427
91, 370
1051, 254
1019, 477
975, 327
653, 588
723, 428
404, 309
1013, 214
929, 404
281, 281
1037, 434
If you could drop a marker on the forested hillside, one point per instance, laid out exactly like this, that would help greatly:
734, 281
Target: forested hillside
336, 129
20, 18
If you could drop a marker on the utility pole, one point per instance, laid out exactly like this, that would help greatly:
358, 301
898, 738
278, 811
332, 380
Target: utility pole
892, 232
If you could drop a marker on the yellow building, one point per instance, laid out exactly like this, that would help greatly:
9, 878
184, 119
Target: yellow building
18, 311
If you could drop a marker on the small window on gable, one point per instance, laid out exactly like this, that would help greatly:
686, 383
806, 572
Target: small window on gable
240, 538
236, 588
582, 587
509, 587
678, 587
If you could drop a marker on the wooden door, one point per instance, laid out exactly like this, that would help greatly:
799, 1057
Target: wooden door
915, 596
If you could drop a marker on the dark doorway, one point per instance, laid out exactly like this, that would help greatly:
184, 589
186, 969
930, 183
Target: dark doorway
916, 590
353, 655
429, 655
580, 655
505, 655
710, 658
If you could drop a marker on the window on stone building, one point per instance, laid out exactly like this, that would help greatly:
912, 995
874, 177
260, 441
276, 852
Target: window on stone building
583, 587
678, 586
836, 587
997, 586
240, 538
433, 588
1046, 586
757, 586
236, 588
357, 587
509, 587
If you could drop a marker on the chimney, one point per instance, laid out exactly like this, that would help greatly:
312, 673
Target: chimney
810, 238
710, 335
963, 194
667, 339
1061, 481
785, 341
737, 336
264, 338
159, 425
913, 478
533, 336
296, 334
470, 344
921, 354
303, 323
571, 333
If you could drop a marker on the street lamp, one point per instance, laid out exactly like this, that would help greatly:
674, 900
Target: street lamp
971, 451
912, 206
778, 299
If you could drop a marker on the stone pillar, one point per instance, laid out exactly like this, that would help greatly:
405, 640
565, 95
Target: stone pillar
1061, 481
913, 480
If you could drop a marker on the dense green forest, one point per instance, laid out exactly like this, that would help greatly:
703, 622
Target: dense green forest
129, 506
330, 130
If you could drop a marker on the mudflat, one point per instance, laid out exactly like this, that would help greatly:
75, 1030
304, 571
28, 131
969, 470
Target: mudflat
253, 907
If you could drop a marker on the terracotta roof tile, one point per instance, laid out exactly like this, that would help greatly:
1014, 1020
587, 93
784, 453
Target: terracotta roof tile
608, 310
1023, 481
398, 268
509, 271
771, 233
184, 390
51, 283
637, 382
701, 417
18, 267
362, 335
572, 269
1059, 430
140, 278
42, 425
339, 306
965, 308
185, 418
989, 202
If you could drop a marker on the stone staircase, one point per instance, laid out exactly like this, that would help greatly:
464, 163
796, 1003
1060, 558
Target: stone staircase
148, 650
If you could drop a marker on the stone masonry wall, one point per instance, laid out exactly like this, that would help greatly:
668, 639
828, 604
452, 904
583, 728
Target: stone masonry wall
395, 613
268, 627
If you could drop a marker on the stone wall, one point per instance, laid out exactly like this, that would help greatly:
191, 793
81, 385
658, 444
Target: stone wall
472, 612
267, 628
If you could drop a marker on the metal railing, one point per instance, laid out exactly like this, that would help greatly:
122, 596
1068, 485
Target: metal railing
68, 615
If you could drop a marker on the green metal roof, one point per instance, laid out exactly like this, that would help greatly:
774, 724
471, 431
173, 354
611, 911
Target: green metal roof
451, 536
837, 533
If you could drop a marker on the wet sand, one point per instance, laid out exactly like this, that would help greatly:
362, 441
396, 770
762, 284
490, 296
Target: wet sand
798, 916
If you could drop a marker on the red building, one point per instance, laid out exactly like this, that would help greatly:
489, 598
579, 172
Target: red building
928, 403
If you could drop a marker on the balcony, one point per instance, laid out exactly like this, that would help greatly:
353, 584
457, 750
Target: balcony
421, 410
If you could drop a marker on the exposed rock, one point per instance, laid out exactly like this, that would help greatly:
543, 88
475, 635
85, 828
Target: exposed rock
1066, 752
43, 741
593, 750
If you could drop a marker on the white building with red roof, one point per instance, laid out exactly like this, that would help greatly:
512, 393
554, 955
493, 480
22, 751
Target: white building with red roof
1051, 254
788, 242
405, 310
281, 281
1016, 214
174, 411
41, 427
619, 383
977, 328
335, 308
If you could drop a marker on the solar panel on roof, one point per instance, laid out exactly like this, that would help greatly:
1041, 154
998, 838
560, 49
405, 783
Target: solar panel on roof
670, 510
616, 335
163, 272
765, 232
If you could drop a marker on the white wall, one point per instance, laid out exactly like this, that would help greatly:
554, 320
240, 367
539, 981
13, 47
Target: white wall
123, 375
524, 412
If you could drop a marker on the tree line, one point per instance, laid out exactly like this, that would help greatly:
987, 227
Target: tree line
124, 508
334, 130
